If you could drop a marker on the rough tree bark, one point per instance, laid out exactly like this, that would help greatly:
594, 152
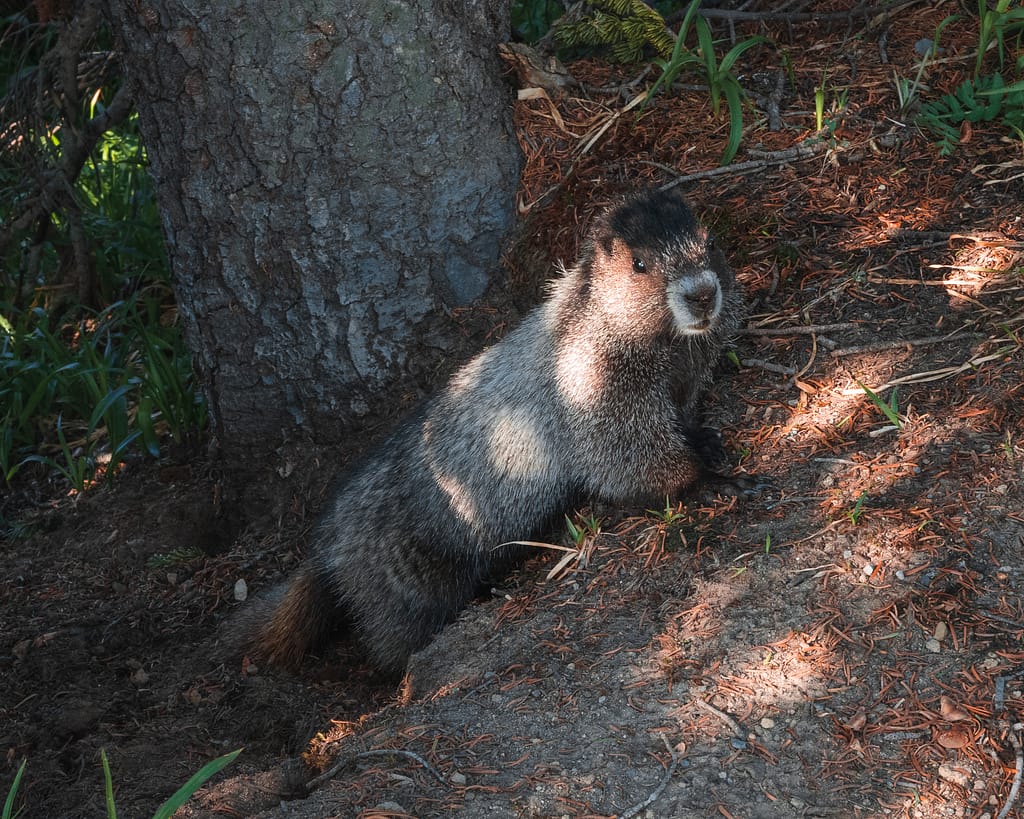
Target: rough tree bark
334, 178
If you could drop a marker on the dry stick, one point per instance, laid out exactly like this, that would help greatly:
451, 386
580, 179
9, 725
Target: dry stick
633, 811
329, 774
707, 706
988, 237
797, 152
810, 361
798, 17
900, 342
62, 178
936, 375
768, 366
799, 330
1015, 787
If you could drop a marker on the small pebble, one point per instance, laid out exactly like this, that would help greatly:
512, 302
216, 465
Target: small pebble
457, 779
869, 570
954, 774
941, 632
390, 807
767, 723
933, 645
241, 590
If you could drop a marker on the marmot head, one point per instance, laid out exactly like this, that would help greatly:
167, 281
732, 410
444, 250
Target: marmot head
652, 264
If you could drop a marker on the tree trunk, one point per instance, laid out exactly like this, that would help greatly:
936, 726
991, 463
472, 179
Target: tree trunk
333, 178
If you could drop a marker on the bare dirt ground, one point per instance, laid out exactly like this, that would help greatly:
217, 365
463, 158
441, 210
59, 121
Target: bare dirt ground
847, 644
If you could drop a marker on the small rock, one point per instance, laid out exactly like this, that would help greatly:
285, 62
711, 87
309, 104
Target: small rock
390, 807
941, 631
933, 645
900, 575
767, 723
241, 590
457, 779
139, 676
868, 569
954, 774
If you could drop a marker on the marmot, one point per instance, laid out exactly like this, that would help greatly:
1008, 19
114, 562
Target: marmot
596, 393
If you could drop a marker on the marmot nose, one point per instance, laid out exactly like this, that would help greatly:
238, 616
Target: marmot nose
702, 301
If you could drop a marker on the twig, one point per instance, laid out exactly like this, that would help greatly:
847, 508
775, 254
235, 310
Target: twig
798, 152
333, 771
798, 330
1017, 624
810, 361
984, 238
707, 706
999, 697
1015, 787
936, 375
796, 16
897, 343
767, 365
633, 811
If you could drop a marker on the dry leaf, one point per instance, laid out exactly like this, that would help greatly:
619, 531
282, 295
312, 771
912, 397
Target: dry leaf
950, 712
858, 721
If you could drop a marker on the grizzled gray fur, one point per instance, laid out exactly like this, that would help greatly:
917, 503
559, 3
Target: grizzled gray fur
596, 393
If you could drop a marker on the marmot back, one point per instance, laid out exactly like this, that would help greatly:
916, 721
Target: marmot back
597, 392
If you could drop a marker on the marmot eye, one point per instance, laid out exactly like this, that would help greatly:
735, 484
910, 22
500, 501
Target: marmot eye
639, 266
709, 244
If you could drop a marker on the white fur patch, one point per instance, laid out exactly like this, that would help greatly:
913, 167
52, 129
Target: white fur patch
686, 322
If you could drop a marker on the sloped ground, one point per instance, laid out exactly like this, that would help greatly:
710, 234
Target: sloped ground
847, 644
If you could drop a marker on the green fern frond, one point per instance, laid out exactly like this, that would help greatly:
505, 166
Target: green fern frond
981, 100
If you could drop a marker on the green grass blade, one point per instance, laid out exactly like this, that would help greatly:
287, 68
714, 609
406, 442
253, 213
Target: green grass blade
108, 787
181, 796
886, 410
729, 60
734, 98
13, 793
108, 401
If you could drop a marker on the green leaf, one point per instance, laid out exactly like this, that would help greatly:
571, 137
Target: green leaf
729, 60
733, 96
8, 812
181, 796
109, 401
108, 786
